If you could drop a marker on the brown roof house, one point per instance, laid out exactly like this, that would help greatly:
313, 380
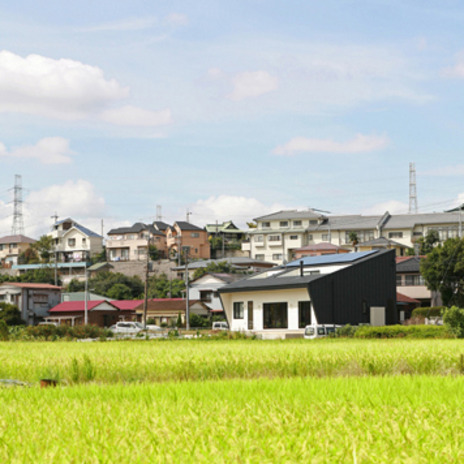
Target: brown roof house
11, 246
33, 300
167, 310
183, 235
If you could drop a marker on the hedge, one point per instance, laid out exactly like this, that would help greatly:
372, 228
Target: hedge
52, 332
403, 331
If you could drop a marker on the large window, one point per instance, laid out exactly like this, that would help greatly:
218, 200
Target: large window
277, 256
395, 234
297, 223
238, 310
71, 242
259, 238
275, 316
414, 280
266, 225
260, 257
283, 224
274, 238
304, 314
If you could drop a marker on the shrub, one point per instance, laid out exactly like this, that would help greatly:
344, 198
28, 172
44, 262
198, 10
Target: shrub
453, 319
402, 331
433, 311
51, 332
346, 331
4, 332
10, 314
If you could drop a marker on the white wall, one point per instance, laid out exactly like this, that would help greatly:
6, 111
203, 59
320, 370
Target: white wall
291, 297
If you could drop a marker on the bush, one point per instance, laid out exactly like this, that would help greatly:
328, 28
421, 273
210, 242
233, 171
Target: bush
402, 331
4, 332
433, 311
10, 314
453, 319
346, 331
51, 332
198, 321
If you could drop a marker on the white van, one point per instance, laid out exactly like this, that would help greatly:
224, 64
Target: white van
220, 325
317, 331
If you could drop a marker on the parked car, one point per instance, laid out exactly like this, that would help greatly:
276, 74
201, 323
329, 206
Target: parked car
127, 327
317, 331
220, 325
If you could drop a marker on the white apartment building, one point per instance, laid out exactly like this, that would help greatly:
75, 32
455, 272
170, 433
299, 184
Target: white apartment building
278, 234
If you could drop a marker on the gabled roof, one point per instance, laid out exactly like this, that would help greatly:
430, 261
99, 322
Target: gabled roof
382, 241
408, 221
223, 276
135, 229
77, 306
183, 225
400, 298
227, 226
409, 265
79, 227
16, 239
160, 225
289, 214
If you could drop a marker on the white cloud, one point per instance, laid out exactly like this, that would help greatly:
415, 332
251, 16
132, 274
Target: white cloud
229, 207
68, 90
251, 84
132, 116
63, 89
457, 70
360, 144
392, 206
130, 24
177, 19
49, 150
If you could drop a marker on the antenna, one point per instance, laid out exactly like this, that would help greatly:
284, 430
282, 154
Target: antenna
159, 216
188, 214
18, 224
412, 189
54, 217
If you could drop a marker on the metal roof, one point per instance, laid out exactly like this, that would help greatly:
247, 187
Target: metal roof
408, 221
382, 241
409, 265
290, 214
135, 228
331, 259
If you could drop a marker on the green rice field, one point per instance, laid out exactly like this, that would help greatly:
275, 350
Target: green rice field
354, 401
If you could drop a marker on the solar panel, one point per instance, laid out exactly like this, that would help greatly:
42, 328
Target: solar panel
331, 259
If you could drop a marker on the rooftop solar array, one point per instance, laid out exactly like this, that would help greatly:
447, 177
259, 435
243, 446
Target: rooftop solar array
331, 259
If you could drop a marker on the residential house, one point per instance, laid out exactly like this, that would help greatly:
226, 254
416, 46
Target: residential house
351, 288
278, 235
74, 243
167, 310
33, 300
205, 288
102, 313
11, 246
409, 282
185, 236
130, 243
225, 239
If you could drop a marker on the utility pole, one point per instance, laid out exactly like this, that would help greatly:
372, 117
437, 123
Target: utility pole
145, 301
159, 217
187, 305
55, 218
86, 297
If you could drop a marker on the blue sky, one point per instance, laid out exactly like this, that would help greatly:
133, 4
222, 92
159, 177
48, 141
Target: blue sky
229, 109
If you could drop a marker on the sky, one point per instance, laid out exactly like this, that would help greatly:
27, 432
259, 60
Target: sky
114, 111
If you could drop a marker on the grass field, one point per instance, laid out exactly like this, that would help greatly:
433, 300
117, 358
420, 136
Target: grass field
159, 361
234, 401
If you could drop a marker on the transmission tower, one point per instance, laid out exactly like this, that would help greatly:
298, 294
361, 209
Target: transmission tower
159, 217
18, 224
412, 189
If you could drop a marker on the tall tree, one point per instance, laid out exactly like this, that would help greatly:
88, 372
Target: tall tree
443, 271
44, 248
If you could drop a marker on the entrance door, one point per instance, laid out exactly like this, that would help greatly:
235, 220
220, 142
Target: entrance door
250, 315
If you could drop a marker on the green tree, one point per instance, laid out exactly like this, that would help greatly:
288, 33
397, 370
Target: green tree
119, 292
44, 248
75, 286
454, 320
159, 286
353, 238
10, 314
427, 244
220, 267
153, 252
443, 271
29, 256
99, 257
104, 281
